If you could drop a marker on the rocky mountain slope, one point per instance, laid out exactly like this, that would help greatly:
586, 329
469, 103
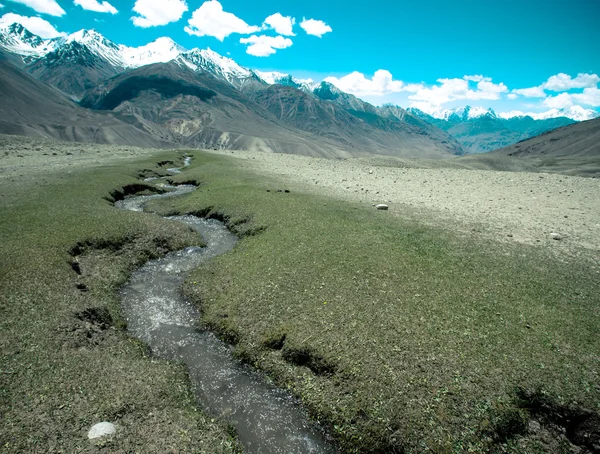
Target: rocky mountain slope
572, 150
577, 140
30, 107
481, 130
199, 98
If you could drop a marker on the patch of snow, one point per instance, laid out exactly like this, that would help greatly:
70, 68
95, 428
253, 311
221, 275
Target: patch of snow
161, 50
575, 113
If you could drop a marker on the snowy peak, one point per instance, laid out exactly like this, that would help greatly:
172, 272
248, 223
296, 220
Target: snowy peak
467, 113
576, 113
95, 43
457, 114
18, 40
162, 50
210, 61
274, 77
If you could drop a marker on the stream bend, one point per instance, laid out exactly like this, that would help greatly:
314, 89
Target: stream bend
266, 419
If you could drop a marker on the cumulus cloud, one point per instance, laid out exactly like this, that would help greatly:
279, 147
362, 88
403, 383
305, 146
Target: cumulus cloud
44, 6
533, 92
315, 27
562, 101
560, 83
35, 25
381, 84
283, 25
153, 13
449, 90
564, 82
263, 46
95, 5
512, 96
211, 20
590, 97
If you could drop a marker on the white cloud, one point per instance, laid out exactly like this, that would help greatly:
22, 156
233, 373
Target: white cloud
1, 5
211, 20
564, 82
562, 101
590, 97
35, 25
263, 46
95, 5
152, 13
477, 78
512, 96
381, 84
44, 6
315, 27
533, 92
283, 25
456, 89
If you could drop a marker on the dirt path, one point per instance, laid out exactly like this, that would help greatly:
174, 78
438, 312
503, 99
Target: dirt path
508, 206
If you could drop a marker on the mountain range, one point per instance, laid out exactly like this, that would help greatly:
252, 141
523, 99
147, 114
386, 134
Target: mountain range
171, 95
481, 130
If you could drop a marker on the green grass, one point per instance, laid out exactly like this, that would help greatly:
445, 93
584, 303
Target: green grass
399, 337
62, 370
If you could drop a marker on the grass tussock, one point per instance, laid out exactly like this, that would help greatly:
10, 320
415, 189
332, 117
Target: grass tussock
398, 336
65, 364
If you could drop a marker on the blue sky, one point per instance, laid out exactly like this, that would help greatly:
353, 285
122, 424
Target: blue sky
427, 53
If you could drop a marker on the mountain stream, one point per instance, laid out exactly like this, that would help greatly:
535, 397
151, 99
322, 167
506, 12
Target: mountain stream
266, 419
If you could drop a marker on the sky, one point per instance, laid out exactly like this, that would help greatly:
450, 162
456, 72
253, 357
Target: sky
527, 55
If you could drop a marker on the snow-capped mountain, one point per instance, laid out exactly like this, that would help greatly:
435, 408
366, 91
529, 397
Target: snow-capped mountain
16, 39
161, 50
576, 113
274, 77
480, 130
209, 60
456, 114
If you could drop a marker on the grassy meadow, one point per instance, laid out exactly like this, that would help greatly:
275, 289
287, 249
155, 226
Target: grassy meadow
397, 337
65, 362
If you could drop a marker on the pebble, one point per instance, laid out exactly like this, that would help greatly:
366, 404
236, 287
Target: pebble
555, 236
101, 429
382, 207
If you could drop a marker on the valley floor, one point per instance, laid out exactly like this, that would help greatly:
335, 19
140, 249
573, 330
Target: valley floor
520, 206
451, 323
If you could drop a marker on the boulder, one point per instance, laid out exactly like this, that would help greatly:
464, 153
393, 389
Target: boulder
102, 429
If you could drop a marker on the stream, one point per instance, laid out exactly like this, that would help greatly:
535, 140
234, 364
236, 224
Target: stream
266, 419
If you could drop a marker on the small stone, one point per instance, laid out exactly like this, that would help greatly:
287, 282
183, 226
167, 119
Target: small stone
555, 236
101, 429
382, 207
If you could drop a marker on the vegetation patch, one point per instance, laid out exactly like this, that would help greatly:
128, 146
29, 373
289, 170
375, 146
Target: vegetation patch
65, 364
398, 336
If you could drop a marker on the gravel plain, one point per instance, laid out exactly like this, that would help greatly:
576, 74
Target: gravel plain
525, 207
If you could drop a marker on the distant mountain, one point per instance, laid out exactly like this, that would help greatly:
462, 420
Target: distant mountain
195, 108
573, 149
30, 107
480, 130
200, 98
576, 113
576, 140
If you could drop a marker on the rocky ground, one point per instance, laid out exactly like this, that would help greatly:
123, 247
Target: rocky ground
509, 206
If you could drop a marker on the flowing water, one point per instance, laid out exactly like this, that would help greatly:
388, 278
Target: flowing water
266, 419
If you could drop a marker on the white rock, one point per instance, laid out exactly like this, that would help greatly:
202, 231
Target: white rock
101, 429
555, 236
382, 207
